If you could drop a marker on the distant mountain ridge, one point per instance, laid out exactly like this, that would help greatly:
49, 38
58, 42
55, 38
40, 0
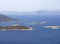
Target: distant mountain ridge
4, 18
38, 11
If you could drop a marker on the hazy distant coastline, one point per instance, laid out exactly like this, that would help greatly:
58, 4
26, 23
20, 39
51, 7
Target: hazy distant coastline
31, 12
4, 18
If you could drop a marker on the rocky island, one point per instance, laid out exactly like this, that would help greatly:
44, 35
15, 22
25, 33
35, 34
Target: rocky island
15, 27
52, 27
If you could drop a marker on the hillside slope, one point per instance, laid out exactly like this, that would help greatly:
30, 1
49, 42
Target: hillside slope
4, 18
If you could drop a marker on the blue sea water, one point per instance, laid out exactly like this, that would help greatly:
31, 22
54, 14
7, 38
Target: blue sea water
39, 34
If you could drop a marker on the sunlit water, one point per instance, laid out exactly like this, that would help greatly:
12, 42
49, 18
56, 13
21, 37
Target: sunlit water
39, 34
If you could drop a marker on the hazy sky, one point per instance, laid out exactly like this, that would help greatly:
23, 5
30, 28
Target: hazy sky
29, 5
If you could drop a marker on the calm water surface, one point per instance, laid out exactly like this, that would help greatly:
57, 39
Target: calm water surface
39, 34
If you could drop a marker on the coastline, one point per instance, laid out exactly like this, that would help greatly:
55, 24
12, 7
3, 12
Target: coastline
15, 28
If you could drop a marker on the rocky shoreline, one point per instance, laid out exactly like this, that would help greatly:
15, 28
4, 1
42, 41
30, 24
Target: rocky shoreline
3, 28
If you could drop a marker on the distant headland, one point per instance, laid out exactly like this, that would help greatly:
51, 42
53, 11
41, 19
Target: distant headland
4, 18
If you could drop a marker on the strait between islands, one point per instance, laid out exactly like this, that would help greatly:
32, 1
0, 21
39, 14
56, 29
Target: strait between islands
4, 18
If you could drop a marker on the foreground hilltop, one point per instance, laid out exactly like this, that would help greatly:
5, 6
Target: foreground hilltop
4, 18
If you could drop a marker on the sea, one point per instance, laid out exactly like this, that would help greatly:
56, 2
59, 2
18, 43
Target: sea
38, 35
